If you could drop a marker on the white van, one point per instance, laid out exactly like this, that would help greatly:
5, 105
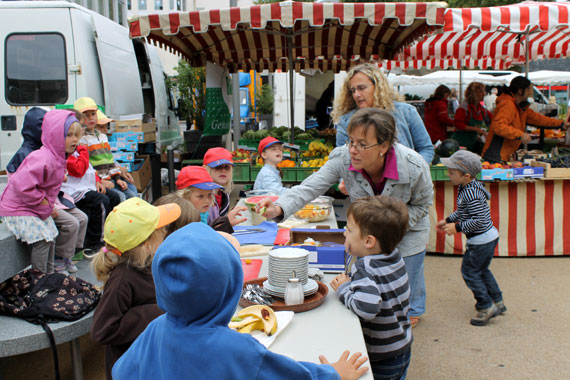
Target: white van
55, 52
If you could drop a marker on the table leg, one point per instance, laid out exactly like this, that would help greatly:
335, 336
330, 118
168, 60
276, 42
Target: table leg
76, 363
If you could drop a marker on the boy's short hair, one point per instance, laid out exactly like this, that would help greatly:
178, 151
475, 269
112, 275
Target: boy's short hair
464, 161
384, 217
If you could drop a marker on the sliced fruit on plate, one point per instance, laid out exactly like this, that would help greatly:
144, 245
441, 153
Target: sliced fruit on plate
265, 313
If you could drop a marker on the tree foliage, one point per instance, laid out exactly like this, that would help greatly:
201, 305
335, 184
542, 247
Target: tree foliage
191, 86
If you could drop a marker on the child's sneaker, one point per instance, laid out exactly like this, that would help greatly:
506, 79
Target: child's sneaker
59, 265
483, 316
71, 268
501, 307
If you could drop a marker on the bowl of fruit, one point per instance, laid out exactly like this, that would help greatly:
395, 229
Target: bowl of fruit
317, 210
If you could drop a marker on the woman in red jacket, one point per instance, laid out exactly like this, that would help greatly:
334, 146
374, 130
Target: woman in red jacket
472, 119
436, 118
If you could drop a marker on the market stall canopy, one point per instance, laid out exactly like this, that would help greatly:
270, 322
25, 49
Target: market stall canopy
499, 35
452, 78
325, 36
549, 78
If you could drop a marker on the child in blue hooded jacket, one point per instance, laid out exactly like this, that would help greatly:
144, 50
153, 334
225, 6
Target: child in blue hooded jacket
198, 280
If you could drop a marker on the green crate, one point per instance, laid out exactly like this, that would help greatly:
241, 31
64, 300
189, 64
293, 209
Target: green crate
304, 144
289, 174
249, 142
241, 172
197, 162
303, 173
439, 173
253, 172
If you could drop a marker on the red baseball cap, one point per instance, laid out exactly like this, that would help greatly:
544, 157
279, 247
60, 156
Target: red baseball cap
196, 176
215, 157
267, 142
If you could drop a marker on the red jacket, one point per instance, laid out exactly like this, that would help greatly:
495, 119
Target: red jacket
77, 166
436, 119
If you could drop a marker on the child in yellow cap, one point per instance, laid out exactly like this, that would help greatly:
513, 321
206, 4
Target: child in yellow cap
133, 231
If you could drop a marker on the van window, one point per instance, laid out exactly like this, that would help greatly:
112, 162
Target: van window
36, 69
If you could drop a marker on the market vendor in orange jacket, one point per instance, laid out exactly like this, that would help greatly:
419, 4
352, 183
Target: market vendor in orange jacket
508, 127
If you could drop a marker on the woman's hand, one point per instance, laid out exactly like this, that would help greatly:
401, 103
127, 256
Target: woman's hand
235, 216
342, 187
348, 368
271, 209
525, 138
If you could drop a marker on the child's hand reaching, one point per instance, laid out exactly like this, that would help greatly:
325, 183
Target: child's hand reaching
100, 188
54, 213
107, 184
339, 280
440, 225
235, 216
348, 368
449, 228
122, 184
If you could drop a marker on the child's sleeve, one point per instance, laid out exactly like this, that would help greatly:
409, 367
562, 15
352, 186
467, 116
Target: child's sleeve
452, 218
78, 165
361, 295
272, 183
276, 367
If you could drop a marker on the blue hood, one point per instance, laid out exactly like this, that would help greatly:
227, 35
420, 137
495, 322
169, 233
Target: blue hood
32, 134
198, 276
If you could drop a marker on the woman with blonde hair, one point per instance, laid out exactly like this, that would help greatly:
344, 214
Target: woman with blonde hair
472, 119
366, 87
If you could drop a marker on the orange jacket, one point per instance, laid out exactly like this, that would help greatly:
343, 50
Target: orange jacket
507, 127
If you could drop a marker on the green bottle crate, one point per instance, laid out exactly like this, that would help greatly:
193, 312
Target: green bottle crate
241, 172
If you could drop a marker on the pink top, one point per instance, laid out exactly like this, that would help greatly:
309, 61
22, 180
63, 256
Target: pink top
390, 171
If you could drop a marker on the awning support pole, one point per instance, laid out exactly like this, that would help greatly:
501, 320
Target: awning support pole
291, 81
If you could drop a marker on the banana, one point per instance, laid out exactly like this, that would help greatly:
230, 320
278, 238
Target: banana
265, 314
258, 325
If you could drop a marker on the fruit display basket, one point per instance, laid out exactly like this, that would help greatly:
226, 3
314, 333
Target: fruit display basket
241, 172
439, 173
317, 210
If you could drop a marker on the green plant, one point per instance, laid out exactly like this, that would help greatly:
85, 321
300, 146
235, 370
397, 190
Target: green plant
264, 100
191, 87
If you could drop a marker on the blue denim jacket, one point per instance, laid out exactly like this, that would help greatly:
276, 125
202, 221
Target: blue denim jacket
269, 179
410, 130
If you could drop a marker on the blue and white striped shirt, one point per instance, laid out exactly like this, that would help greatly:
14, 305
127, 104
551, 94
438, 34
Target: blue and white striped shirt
379, 294
472, 216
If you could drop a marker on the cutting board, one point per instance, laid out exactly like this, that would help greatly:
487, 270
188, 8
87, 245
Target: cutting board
251, 268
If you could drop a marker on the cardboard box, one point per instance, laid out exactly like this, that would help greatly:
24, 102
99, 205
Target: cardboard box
550, 172
143, 175
528, 172
330, 259
177, 156
146, 194
124, 156
134, 126
497, 174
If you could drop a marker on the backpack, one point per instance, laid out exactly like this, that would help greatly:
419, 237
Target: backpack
40, 298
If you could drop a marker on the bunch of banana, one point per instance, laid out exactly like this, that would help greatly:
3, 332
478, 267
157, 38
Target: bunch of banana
257, 317
317, 148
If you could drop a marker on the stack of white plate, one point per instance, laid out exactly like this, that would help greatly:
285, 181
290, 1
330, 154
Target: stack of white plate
285, 263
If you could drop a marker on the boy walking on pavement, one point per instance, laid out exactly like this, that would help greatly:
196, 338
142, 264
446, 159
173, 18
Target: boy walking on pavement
378, 291
473, 218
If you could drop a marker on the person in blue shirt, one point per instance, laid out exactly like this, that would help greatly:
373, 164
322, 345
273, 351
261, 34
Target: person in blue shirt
366, 87
269, 177
198, 280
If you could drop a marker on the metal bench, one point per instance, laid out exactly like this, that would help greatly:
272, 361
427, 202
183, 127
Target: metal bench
18, 336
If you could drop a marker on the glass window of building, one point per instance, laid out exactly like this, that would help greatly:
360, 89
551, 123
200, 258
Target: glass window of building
171, 5
101, 7
179, 5
36, 69
89, 4
158, 5
120, 13
142, 5
111, 10
129, 6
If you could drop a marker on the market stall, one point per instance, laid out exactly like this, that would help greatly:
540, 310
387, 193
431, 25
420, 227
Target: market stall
530, 214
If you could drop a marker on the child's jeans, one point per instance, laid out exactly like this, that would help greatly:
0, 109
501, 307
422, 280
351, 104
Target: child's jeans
394, 368
478, 277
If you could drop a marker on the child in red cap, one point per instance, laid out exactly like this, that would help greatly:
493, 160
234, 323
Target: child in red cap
269, 178
218, 162
196, 185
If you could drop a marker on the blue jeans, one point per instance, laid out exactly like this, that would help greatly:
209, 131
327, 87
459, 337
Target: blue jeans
394, 368
478, 277
415, 269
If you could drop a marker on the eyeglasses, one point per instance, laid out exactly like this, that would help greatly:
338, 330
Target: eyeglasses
359, 147
359, 88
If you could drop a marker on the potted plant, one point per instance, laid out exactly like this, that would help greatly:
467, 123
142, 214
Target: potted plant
264, 104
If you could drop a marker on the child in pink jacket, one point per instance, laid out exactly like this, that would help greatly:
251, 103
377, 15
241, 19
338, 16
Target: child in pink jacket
28, 202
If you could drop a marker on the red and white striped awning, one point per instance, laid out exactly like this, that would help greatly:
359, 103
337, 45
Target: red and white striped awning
326, 36
443, 64
496, 35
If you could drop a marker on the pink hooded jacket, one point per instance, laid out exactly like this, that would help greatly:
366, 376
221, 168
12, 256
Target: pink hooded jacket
41, 173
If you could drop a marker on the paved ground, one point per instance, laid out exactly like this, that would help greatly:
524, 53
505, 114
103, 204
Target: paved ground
531, 341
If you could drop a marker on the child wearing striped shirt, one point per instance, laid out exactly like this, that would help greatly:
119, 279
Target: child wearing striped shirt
473, 218
378, 290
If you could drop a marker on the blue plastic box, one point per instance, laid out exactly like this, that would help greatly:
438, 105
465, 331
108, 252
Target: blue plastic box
529, 172
497, 174
124, 156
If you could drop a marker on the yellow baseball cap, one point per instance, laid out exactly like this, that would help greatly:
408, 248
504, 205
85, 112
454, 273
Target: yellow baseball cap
134, 220
85, 104
102, 119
